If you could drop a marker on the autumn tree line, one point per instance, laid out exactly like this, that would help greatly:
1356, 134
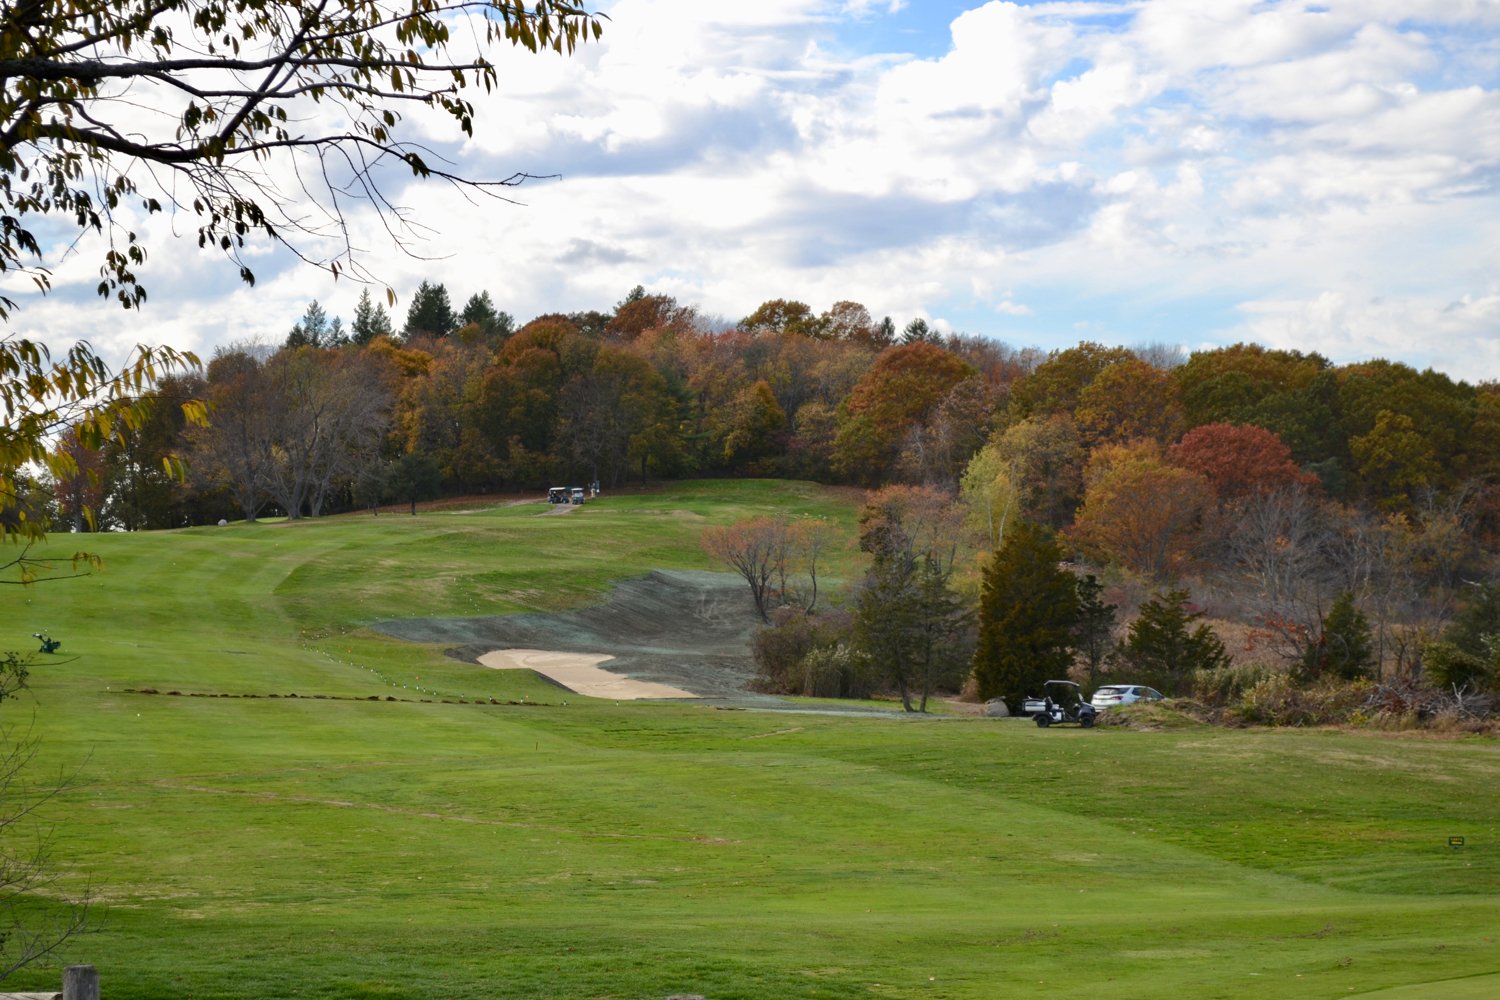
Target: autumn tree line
1273, 485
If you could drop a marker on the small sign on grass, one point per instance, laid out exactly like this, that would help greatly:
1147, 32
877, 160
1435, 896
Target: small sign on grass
1455, 842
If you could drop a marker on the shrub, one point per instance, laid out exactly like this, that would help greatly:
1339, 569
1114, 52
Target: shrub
781, 648
1223, 686
836, 672
1178, 713
1278, 701
778, 650
1450, 668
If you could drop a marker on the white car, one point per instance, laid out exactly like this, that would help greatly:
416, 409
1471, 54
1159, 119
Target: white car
1111, 695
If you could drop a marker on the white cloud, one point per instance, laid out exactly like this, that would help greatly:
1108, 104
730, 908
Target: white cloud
865, 7
1461, 336
1327, 172
1365, 72
1084, 104
1185, 36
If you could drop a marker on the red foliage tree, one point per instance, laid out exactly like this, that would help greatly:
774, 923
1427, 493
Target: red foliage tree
1239, 461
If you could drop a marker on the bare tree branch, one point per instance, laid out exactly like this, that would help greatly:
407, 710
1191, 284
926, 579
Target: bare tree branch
72, 135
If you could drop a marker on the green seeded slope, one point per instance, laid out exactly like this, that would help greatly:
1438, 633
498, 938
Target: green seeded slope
342, 845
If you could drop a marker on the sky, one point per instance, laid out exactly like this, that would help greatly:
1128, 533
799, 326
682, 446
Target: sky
1317, 176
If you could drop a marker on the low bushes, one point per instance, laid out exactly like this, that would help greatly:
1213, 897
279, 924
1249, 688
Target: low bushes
1277, 700
1227, 685
1448, 666
836, 672
1405, 705
802, 654
1253, 694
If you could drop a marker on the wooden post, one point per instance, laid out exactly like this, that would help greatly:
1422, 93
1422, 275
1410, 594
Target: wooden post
80, 982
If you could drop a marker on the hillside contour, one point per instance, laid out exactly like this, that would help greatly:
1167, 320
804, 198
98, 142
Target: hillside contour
689, 630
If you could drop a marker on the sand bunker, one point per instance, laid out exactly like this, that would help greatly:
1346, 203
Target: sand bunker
685, 630
672, 633
580, 672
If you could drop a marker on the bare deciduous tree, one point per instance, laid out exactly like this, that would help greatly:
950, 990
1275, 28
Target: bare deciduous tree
778, 558
234, 451
756, 549
1283, 545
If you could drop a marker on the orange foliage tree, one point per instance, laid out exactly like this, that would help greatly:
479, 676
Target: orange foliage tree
899, 393
640, 313
1141, 512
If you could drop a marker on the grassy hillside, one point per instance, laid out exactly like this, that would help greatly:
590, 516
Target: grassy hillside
342, 845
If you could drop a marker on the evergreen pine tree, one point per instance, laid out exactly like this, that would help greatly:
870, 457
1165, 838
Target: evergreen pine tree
481, 312
1165, 646
1027, 609
370, 320
1093, 635
414, 477
313, 330
918, 330
1476, 627
1345, 649
634, 295
430, 313
907, 620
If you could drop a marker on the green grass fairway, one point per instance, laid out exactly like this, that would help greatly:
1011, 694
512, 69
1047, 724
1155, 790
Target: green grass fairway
389, 832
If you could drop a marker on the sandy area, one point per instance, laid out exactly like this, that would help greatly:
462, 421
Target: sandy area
580, 672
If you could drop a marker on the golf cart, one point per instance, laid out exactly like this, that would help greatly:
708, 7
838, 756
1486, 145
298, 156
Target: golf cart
1063, 702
